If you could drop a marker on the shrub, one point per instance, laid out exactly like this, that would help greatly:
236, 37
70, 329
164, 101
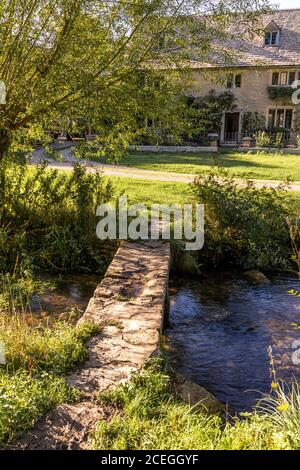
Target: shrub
263, 139
245, 226
48, 218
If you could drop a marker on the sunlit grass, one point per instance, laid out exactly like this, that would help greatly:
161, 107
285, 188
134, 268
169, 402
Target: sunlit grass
150, 192
243, 165
31, 380
147, 416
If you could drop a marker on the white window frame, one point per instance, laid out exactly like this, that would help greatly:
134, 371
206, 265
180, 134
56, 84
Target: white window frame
287, 72
277, 40
234, 75
277, 108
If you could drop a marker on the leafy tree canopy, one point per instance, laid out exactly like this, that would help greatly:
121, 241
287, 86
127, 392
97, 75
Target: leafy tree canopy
94, 62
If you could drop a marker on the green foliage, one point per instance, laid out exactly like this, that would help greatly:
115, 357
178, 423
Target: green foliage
204, 114
48, 218
75, 66
253, 122
53, 350
275, 92
16, 292
263, 139
24, 399
31, 381
148, 417
245, 226
293, 224
283, 410
271, 138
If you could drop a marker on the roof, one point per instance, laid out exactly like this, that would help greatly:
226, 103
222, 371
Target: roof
250, 51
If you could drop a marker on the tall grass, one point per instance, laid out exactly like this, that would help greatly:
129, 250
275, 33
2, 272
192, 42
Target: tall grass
48, 218
148, 417
31, 380
37, 349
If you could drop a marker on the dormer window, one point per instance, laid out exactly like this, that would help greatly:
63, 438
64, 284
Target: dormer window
272, 34
272, 39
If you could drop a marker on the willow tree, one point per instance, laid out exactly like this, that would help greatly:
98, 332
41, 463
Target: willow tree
65, 59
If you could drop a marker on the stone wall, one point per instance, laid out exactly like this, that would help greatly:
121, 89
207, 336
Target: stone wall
253, 94
173, 148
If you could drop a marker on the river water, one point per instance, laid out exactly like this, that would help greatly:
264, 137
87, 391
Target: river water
66, 301
221, 328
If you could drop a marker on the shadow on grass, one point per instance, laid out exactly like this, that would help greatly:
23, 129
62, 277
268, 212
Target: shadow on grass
227, 160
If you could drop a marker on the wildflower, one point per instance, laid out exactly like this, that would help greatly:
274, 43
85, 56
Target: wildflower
283, 407
274, 385
279, 441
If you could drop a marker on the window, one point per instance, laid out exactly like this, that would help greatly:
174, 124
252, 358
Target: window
292, 78
288, 119
275, 78
284, 78
280, 117
271, 38
238, 80
234, 80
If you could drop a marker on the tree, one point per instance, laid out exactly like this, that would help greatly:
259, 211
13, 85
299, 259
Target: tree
65, 59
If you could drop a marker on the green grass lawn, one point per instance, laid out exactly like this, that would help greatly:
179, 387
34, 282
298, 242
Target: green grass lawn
150, 192
242, 165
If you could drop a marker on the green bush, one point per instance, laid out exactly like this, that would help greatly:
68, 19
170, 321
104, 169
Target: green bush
48, 218
244, 226
263, 139
280, 92
54, 350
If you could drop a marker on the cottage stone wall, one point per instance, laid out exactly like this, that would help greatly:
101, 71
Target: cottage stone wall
253, 94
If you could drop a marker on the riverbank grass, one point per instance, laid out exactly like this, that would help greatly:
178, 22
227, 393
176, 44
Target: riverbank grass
148, 417
31, 380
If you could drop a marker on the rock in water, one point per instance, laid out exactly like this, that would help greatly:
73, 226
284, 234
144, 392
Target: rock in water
256, 276
198, 397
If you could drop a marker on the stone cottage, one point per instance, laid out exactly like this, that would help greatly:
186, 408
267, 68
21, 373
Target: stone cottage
262, 76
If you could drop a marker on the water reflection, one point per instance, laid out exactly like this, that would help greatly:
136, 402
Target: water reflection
222, 326
67, 301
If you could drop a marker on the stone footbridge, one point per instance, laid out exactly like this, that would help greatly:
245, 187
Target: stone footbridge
129, 306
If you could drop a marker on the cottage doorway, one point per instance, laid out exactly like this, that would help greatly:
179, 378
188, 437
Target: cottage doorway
232, 127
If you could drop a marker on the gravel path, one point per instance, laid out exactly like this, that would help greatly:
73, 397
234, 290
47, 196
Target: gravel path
139, 173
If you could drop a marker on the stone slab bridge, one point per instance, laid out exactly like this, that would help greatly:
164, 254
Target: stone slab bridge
129, 307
